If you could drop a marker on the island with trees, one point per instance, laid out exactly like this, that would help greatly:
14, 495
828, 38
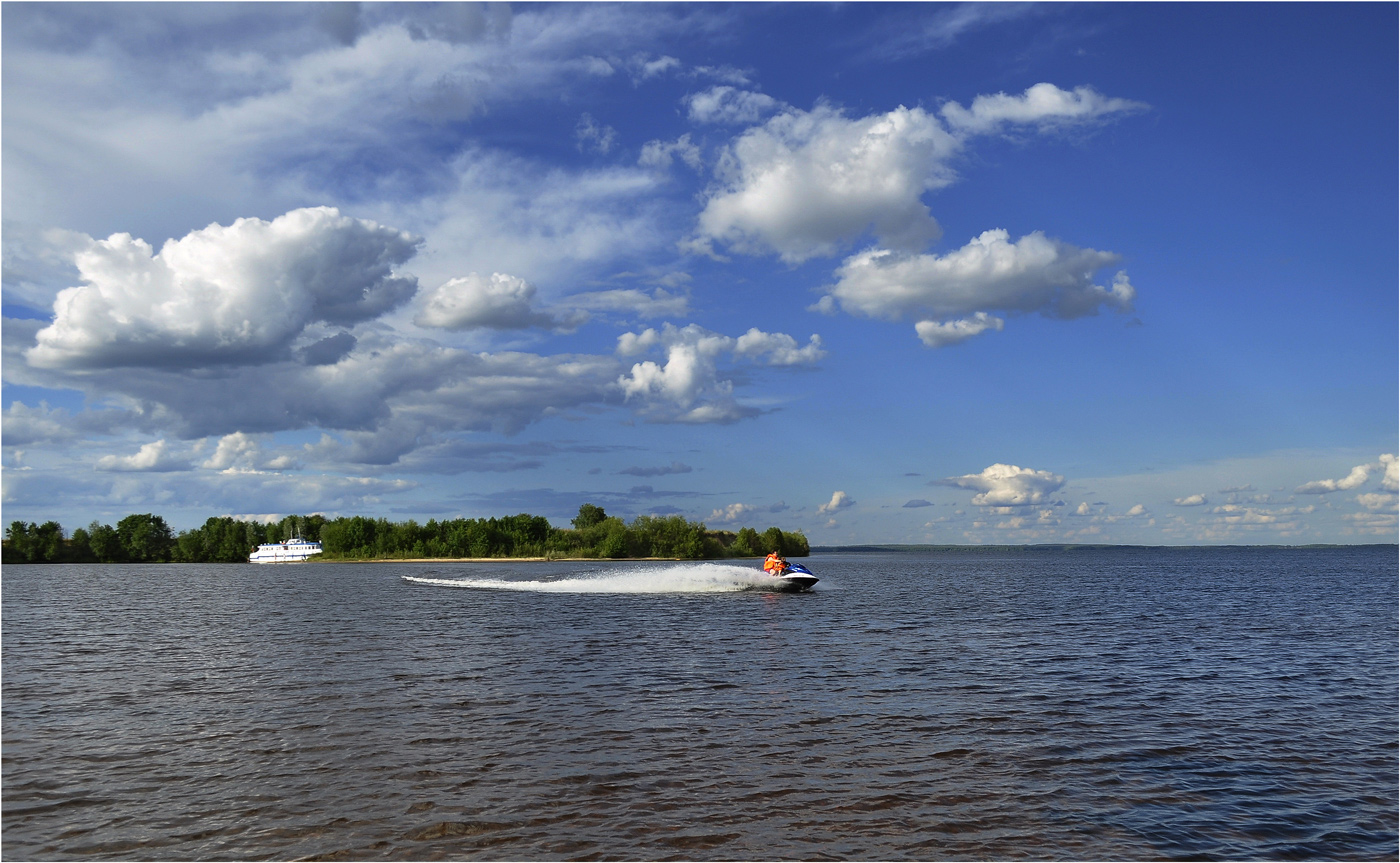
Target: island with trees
147, 538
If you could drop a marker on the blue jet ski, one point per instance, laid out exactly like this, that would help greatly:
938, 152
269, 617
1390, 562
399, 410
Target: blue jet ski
794, 579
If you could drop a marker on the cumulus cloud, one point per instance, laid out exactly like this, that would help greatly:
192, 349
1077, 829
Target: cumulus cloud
839, 501
154, 457
806, 181
1376, 502
1136, 510
731, 513
239, 451
778, 349
990, 273
938, 335
500, 302
1390, 480
1043, 105
1355, 478
1008, 485
730, 105
238, 294
687, 386
1191, 500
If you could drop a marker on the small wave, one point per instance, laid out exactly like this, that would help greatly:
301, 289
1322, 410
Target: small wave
678, 578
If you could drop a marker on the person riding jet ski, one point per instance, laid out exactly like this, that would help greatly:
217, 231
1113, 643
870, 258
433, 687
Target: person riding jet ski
774, 564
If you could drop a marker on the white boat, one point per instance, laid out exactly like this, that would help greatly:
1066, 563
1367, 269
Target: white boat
294, 550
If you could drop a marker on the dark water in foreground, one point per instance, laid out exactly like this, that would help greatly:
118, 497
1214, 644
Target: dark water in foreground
1094, 704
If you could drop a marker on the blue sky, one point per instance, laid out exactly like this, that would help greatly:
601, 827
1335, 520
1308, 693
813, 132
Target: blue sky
986, 273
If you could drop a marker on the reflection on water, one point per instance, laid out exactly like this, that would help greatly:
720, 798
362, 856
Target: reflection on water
1124, 704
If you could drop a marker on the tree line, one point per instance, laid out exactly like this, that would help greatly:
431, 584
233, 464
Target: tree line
146, 538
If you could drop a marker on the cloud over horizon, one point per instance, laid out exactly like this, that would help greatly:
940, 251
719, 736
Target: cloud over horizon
1008, 485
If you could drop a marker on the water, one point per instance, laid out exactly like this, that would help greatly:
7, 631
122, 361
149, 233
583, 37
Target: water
1092, 704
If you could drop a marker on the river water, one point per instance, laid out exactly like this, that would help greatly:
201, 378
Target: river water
1082, 704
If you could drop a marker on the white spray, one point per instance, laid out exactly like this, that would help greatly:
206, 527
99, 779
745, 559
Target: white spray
667, 578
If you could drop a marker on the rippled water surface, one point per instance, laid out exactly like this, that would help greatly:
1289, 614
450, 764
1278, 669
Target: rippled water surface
1088, 704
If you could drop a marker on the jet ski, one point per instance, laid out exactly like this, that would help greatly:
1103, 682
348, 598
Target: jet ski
794, 579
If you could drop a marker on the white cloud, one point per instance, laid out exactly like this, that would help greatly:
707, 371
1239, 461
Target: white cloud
1376, 524
1043, 105
236, 294
936, 335
1008, 485
780, 348
932, 28
806, 181
1374, 502
839, 501
731, 513
594, 138
645, 68
730, 105
990, 273
1356, 477
687, 386
501, 302
658, 155
25, 425
1191, 500
239, 451
657, 304
727, 74
153, 457
1136, 510
547, 225
1390, 480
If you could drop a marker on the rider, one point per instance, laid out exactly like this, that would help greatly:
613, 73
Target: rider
774, 564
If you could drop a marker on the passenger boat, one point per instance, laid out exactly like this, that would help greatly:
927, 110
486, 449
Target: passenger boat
294, 550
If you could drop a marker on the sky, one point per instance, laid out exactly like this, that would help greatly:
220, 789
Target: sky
882, 273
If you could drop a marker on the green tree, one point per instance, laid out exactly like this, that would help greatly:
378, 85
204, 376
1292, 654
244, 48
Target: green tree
588, 516
795, 544
17, 542
106, 548
145, 538
616, 541
80, 547
747, 544
46, 545
773, 541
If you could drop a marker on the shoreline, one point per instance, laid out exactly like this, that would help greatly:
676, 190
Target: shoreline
533, 560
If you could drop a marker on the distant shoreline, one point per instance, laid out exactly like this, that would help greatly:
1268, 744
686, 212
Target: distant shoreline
861, 549
1059, 546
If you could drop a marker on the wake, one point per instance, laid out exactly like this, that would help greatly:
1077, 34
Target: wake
670, 578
